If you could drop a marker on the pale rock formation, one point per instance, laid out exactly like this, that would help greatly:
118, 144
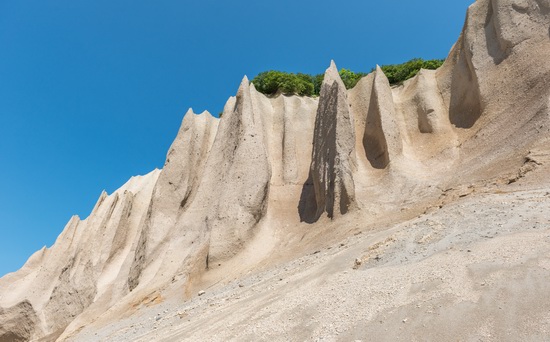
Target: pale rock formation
428, 113
19, 322
427, 132
240, 173
173, 194
493, 56
288, 122
85, 267
495, 76
248, 190
333, 160
213, 190
378, 124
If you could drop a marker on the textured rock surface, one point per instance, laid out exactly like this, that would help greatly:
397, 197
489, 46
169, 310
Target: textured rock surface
240, 174
247, 197
382, 137
333, 161
174, 192
19, 322
87, 266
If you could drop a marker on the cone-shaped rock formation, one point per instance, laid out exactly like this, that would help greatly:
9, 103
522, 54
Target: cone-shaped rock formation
240, 185
333, 161
175, 190
382, 137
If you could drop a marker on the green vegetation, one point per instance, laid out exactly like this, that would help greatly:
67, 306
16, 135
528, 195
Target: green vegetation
350, 78
398, 73
273, 82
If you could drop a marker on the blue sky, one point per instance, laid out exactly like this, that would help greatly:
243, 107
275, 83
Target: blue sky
93, 92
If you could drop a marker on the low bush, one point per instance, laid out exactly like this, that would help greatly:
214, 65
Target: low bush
398, 73
273, 82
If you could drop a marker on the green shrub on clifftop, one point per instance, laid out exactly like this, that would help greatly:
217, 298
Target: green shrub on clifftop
397, 73
350, 78
273, 82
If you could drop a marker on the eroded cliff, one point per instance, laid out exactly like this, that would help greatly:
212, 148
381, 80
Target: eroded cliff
271, 175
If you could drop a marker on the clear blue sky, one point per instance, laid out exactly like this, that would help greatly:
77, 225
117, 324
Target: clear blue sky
93, 92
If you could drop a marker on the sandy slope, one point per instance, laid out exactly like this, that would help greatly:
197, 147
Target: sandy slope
476, 269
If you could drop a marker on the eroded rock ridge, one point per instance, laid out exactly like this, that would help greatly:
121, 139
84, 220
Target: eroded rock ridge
236, 189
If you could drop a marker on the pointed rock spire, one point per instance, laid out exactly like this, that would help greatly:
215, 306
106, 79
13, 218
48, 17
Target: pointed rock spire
333, 159
239, 175
100, 200
175, 189
382, 138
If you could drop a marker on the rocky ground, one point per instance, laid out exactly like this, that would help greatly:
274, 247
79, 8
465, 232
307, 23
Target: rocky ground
476, 269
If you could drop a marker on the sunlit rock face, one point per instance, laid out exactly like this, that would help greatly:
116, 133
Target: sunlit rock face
235, 190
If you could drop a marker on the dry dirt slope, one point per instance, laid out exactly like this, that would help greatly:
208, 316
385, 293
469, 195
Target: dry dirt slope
444, 177
476, 269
